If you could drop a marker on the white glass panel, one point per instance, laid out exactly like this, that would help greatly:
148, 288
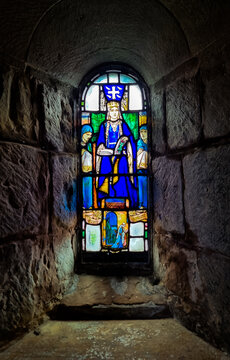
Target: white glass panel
135, 97
93, 237
124, 79
146, 245
92, 98
136, 244
137, 229
101, 80
113, 78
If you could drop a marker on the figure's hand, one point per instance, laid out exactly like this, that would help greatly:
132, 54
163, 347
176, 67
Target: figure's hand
103, 151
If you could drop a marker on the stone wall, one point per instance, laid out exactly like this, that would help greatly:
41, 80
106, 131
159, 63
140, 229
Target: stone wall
190, 164
191, 117
38, 165
39, 162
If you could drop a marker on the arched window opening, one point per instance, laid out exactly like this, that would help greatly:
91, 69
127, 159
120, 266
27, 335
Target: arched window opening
114, 172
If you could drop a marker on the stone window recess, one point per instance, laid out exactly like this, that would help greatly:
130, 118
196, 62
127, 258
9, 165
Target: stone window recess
114, 233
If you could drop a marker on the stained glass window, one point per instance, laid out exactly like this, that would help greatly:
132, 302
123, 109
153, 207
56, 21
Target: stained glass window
114, 186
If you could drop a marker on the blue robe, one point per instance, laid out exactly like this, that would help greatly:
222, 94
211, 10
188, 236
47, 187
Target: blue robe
123, 187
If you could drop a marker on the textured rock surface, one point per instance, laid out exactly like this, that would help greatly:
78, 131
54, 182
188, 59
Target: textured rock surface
201, 23
24, 197
158, 126
93, 290
52, 119
150, 51
6, 76
64, 261
215, 72
204, 306
18, 120
58, 121
137, 339
167, 194
183, 113
179, 271
64, 172
29, 284
215, 274
207, 189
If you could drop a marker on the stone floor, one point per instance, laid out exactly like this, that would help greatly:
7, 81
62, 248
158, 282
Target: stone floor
162, 339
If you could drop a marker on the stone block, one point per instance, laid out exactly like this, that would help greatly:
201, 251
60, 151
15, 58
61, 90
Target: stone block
28, 280
216, 108
158, 126
93, 290
215, 274
215, 74
183, 113
208, 312
167, 195
24, 179
64, 175
18, 121
207, 189
64, 261
58, 121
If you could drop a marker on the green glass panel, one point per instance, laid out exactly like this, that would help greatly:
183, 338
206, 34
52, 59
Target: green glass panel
132, 120
83, 233
97, 119
146, 234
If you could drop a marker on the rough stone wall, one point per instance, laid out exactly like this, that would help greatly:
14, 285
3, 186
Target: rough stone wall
38, 165
190, 111
191, 115
38, 160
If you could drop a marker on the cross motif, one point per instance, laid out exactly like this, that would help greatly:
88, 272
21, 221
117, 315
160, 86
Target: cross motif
113, 92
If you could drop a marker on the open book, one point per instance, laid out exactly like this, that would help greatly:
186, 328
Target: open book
120, 145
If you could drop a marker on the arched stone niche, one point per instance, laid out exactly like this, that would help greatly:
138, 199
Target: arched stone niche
73, 37
190, 148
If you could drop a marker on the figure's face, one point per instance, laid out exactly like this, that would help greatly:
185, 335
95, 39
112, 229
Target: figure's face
114, 113
86, 137
144, 135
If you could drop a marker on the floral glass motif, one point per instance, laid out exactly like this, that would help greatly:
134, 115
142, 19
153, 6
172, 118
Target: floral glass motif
114, 164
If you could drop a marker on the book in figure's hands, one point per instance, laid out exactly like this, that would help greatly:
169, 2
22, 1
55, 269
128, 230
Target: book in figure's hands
120, 145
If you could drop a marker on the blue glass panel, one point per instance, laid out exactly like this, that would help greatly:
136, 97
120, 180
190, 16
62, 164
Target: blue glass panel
87, 192
125, 79
114, 92
143, 191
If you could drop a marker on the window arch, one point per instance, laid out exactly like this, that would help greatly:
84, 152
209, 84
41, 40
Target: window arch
114, 226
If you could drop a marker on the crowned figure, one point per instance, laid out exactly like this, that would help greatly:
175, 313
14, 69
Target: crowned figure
116, 153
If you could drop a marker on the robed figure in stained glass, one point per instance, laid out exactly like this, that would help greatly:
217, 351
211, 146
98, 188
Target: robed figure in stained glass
142, 165
86, 160
116, 158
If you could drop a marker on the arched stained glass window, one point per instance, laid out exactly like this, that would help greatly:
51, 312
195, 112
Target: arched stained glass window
114, 186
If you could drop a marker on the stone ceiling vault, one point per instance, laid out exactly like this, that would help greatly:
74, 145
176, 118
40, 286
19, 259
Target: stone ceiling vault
67, 38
